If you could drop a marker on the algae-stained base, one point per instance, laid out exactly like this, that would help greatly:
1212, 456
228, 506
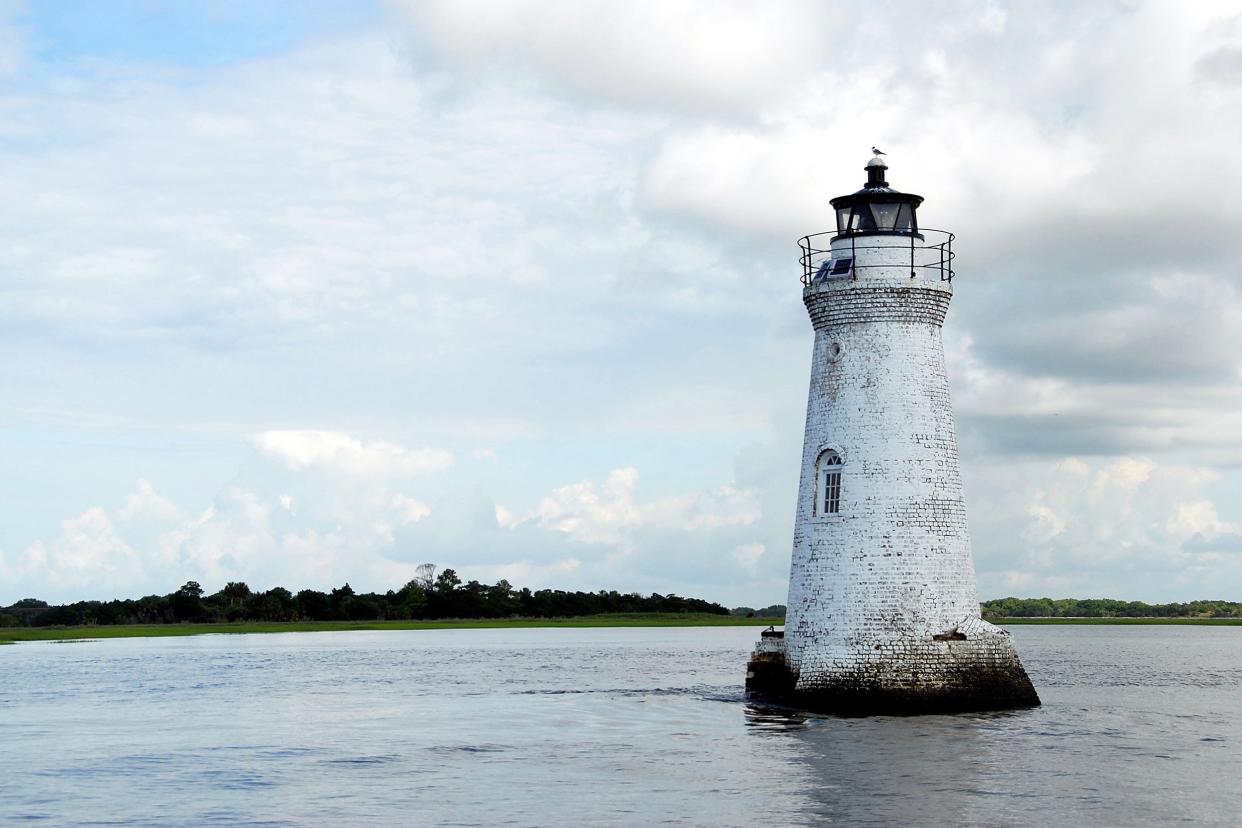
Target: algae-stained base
989, 689
914, 689
998, 690
767, 675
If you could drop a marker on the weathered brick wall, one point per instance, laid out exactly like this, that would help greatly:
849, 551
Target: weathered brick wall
871, 587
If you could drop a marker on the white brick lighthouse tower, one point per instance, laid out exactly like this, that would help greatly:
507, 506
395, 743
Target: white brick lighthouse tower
883, 614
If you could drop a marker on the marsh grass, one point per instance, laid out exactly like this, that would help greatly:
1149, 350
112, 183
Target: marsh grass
1194, 622
9, 635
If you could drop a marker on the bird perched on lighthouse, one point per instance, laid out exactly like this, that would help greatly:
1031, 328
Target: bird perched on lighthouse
876, 151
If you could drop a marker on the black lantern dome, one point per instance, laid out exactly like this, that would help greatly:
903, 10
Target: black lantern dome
877, 208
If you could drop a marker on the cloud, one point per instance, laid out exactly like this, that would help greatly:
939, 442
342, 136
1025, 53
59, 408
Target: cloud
88, 552
1135, 334
408, 509
610, 513
579, 536
1210, 548
145, 504
1121, 527
1198, 519
749, 555
675, 53
524, 572
340, 453
1222, 65
1197, 420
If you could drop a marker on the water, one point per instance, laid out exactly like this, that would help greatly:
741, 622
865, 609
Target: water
1140, 726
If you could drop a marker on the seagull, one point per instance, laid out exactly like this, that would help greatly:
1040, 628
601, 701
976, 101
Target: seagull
878, 151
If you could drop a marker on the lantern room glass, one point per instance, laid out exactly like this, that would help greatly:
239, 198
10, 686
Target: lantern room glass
843, 219
877, 217
905, 219
885, 215
861, 220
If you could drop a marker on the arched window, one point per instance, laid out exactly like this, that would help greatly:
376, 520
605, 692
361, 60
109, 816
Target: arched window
828, 484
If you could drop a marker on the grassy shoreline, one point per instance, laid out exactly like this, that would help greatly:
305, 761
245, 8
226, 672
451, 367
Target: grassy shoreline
9, 635
1194, 622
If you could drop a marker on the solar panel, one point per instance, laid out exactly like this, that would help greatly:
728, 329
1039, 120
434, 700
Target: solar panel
841, 267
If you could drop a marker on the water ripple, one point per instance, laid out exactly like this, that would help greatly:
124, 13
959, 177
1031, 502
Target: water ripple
1140, 726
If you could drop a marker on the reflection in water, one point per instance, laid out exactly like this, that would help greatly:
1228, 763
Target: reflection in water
1140, 726
774, 718
1129, 736
884, 770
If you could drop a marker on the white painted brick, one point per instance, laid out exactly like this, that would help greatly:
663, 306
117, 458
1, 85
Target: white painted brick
872, 586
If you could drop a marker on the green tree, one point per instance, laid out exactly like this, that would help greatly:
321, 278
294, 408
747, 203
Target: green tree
186, 603
235, 592
410, 601
314, 605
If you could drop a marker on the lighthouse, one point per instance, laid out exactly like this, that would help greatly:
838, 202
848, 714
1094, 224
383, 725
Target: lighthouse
883, 612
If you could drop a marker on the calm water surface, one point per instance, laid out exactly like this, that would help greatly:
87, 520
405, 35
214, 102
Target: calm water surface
1140, 726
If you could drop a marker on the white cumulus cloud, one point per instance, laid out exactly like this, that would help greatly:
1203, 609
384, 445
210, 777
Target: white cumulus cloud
610, 512
749, 555
340, 453
724, 57
1101, 526
89, 552
145, 504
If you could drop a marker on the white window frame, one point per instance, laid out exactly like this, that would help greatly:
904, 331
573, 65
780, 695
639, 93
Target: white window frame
829, 473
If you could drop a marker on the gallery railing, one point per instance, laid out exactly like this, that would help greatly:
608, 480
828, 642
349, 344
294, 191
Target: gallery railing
930, 254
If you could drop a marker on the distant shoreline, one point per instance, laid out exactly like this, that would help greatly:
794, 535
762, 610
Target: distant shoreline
1200, 622
9, 635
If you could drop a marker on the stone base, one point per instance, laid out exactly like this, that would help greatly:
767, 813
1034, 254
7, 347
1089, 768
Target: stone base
942, 675
767, 675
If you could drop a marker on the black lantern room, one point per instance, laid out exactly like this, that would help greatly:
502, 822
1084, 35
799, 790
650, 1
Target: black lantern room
877, 208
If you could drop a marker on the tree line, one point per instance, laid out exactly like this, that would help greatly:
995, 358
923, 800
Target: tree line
1106, 608
1072, 608
431, 596
774, 611
428, 596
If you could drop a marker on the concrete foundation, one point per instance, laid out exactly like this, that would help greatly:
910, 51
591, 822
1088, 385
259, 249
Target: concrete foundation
956, 674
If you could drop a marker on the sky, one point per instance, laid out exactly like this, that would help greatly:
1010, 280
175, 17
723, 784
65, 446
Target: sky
306, 293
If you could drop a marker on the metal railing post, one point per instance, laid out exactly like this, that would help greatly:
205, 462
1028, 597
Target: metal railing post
812, 266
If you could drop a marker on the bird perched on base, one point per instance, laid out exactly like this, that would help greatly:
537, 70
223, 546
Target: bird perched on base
878, 151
